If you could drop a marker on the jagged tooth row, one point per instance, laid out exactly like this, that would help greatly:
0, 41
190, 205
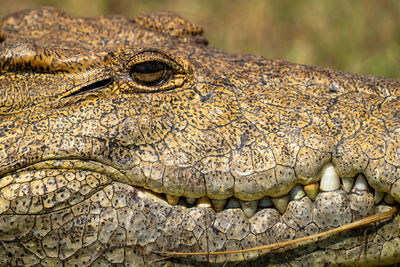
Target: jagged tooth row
172, 200
361, 183
249, 207
265, 202
348, 183
190, 200
233, 203
330, 181
204, 202
378, 196
312, 190
297, 192
281, 203
218, 204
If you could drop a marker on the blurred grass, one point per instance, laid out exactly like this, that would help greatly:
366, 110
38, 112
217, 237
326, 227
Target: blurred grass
356, 36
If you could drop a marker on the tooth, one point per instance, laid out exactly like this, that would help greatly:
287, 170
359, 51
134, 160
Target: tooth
378, 196
172, 200
330, 180
348, 183
233, 203
191, 200
218, 204
361, 183
265, 202
297, 192
389, 199
312, 190
281, 203
204, 202
249, 207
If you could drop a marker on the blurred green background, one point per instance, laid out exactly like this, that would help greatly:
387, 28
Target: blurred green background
350, 35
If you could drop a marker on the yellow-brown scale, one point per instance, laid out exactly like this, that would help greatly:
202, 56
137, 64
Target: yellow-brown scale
122, 137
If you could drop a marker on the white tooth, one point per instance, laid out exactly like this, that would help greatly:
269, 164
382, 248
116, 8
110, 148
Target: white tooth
233, 203
218, 204
281, 203
172, 200
312, 190
203, 202
191, 200
389, 199
265, 202
330, 180
249, 207
361, 183
297, 192
348, 183
378, 196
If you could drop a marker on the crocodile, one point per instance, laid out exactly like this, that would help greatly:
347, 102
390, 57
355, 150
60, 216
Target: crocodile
125, 141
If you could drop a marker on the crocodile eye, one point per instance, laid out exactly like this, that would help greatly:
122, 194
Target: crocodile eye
150, 73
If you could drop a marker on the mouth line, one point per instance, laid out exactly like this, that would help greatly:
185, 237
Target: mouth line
329, 182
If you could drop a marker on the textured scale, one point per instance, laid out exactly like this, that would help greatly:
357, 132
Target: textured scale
87, 153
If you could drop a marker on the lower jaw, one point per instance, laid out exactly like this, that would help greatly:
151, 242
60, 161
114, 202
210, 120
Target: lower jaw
119, 216
176, 229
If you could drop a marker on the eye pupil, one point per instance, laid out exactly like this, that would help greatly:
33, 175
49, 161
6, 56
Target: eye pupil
149, 73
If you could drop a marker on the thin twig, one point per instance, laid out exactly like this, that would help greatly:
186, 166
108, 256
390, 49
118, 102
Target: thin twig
346, 227
157, 260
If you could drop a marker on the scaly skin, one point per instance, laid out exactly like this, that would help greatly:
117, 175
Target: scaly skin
88, 151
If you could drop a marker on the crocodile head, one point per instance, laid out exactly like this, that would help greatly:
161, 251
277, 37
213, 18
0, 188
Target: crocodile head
123, 137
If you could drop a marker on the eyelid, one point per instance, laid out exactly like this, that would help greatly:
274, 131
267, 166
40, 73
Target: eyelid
149, 56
